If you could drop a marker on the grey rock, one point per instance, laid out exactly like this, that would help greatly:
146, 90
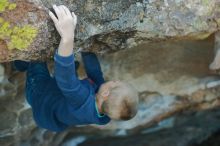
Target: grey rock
105, 26
161, 55
8, 122
25, 117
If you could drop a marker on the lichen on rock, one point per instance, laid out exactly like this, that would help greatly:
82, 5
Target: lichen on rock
172, 77
19, 37
16, 37
110, 25
22, 37
5, 4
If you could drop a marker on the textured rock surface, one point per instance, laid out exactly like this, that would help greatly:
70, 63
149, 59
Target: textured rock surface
179, 102
105, 25
186, 129
179, 96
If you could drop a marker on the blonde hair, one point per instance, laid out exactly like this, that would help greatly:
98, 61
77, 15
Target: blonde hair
122, 103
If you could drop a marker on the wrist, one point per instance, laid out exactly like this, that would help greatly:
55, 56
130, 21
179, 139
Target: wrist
65, 47
67, 40
67, 44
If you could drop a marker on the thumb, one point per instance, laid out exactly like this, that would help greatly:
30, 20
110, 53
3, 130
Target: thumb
74, 18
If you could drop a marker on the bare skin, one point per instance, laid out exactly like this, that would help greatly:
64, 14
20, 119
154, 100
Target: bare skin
104, 93
215, 65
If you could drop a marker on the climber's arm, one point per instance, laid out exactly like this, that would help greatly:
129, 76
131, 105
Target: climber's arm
66, 79
93, 68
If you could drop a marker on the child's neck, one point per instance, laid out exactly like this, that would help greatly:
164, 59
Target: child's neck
99, 103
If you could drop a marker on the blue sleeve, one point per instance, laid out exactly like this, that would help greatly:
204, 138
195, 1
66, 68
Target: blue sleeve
86, 114
93, 68
71, 87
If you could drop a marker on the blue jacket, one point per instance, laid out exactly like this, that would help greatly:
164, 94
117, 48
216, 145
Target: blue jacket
68, 101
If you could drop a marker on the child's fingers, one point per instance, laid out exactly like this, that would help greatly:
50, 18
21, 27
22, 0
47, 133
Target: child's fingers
73, 14
74, 17
57, 11
53, 17
66, 10
62, 11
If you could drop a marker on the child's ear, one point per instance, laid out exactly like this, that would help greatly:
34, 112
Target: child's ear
105, 93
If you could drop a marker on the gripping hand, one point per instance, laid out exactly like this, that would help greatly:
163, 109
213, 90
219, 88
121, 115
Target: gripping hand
65, 22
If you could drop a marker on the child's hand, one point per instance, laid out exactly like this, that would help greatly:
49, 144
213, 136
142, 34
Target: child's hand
65, 23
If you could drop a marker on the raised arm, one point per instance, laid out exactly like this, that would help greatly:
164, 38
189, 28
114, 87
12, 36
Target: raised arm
66, 79
93, 68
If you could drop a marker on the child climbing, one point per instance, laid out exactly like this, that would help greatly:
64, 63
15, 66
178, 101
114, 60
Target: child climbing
63, 100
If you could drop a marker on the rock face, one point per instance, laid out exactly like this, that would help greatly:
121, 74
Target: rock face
179, 100
162, 54
189, 129
168, 77
26, 32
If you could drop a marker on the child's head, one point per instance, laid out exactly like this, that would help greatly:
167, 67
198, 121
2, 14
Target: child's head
119, 100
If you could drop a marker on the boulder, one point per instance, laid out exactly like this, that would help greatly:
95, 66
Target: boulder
27, 33
163, 54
